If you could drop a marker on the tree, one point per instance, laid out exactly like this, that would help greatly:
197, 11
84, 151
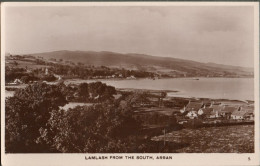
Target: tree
99, 91
173, 121
27, 114
14, 73
108, 93
48, 78
15, 63
83, 91
97, 129
27, 78
160, 99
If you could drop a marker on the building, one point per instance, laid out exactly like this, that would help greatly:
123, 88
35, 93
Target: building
217, 108
131, 77
239, 114
46, 71
249, 112
192, 114
17, 81
208, 103
192, 109
227, 111
193, 105
205, 112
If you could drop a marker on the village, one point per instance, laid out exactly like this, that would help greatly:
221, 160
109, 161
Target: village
205, 111
211, 110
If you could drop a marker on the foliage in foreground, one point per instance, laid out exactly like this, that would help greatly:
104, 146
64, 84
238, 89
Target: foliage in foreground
35, 124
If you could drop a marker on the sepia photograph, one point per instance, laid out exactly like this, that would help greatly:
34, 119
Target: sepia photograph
150, 80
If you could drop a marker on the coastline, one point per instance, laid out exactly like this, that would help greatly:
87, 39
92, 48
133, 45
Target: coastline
166, 78
170, 93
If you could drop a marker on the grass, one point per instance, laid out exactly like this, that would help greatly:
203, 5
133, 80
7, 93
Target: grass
24, 64
227, 139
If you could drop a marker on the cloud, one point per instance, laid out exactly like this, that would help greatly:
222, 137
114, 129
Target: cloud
207, 34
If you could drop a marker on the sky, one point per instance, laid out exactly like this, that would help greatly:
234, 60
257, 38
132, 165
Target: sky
218, 34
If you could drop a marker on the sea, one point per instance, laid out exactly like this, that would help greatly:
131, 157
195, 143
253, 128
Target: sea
215, 88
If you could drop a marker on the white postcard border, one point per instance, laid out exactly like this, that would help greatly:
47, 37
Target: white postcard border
177, 158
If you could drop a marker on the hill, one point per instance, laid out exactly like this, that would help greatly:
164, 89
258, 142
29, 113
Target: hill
172, 66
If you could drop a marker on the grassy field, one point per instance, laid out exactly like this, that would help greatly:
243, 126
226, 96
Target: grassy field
227, 139
24, 64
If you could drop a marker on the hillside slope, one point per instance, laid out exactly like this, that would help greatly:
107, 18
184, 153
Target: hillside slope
147, 63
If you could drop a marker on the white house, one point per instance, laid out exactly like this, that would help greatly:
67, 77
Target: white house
17, 81
196, 106
205, 111
182, 110
227, 111
238, 114
46, 71
201, 111
243, 113
192, 114
214, 114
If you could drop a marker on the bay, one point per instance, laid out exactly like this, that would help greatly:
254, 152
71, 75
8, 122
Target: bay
215, 88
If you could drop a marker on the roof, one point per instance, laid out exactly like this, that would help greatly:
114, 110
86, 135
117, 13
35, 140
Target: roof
217, 107
194, 105
229, 109
208, 102
239, 113
248, 109
207, 111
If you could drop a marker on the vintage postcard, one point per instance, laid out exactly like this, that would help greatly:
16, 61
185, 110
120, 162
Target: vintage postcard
132, 83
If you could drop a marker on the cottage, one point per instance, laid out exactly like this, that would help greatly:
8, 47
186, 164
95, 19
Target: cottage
192, 114
249, 112
249, 109
214, 114
193, 105
239, 114
182, 110
217, 108
249, 116
131, 77
17, 81
46, 71
227, 111
192, 109
201, 111
208, 103
207, 112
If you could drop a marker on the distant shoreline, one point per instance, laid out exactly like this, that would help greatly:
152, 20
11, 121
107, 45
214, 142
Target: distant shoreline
119, 79
124, 79
173, 92
181, 97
